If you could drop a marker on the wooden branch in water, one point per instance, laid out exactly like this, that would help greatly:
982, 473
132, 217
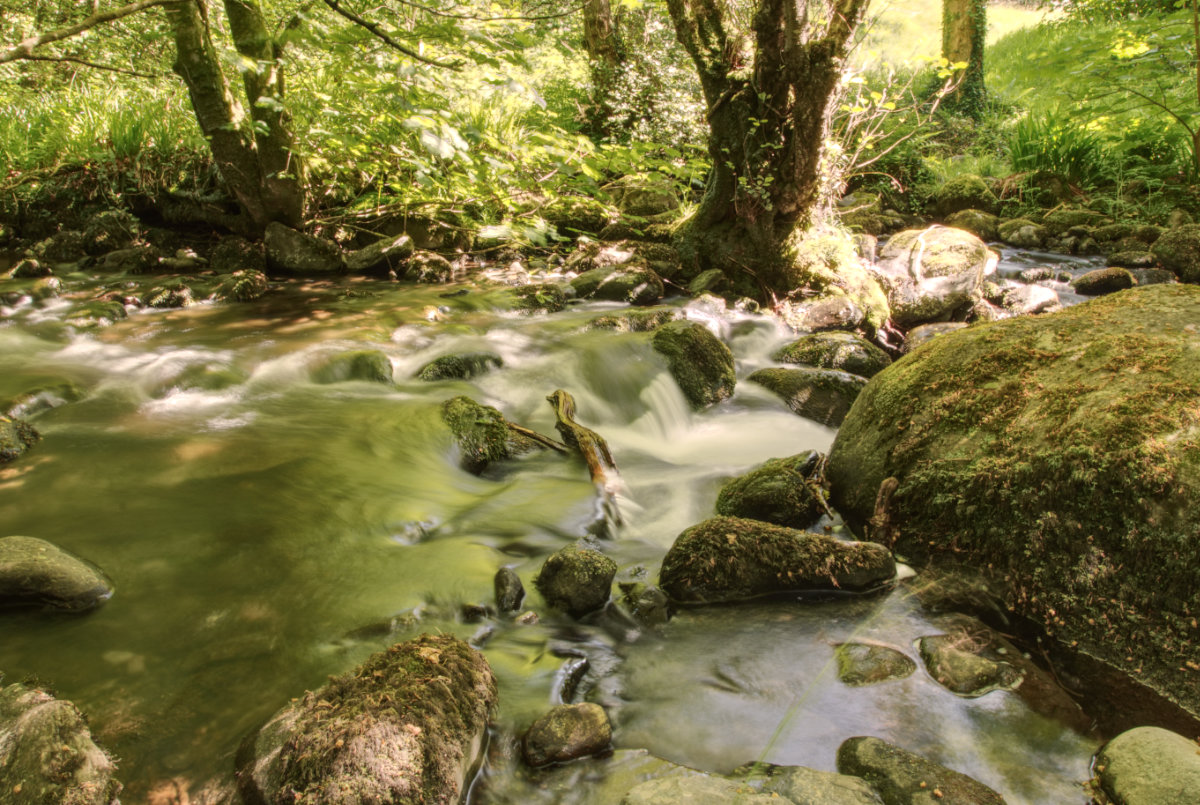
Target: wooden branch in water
590, 444
544, 441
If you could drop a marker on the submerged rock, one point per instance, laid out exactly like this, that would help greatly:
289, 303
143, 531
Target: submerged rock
952, 661
461, 366
576, 580
731, 559
862, 664
823, 395
634, 283
1058, 454
509, 590
407, 726
47, 756
775, 492
36, 573
699, 789
369, 365
16, 437
567, 732
295, 252
482, 434
803, 786
173, 294
903, 778
1149, 766
241, 286
699, 361
538, 297
848, 352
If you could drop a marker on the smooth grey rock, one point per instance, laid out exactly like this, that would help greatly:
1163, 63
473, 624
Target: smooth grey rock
1150, 766
567, 732
903, 778
862, 664
823, 395
295, 252
951, 661
930, 274
34, 572
1024, 300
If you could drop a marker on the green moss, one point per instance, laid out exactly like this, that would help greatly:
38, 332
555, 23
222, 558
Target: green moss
576, 580
459, 367
823, 395
777, 492
823, 263
635, 321
836, 350
862, 664
547, 297
482, 434
966, 192
699, 361
370, 365
1102, 281
16, 437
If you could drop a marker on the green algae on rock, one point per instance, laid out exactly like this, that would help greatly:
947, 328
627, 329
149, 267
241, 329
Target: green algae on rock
407, 726
699, 361
576, 580
904, 778
567, 732
823, 395
16, 437
370, 365
34, 572
482, 433
848, 352
775, 492
460, 366
1061, 455
953, 664
861, 664
731, 559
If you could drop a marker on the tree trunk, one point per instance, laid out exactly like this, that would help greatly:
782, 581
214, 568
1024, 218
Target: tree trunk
602, 42
770, 103
964, 32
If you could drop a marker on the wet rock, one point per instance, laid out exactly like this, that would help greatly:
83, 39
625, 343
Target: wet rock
1025, 300
1152, 276
538, 297
172, 294
382, 256
293, 252
700, 789
848, 352
16, 437
49, 287
66, 246
699, 361
1179, 250
930, 274
775, 492
578, 215
1149, 766
661, 257
731, 559
368, 365
823, 395
234, 254
510, 592
1023, 233
862, 664
38, 399
110, 230
429, 268
137, 259
711, 281
30, 269
36, 573
1063, 221
47, 755
461, 366
977, 483
803, 786
1133, 259
576, 580
966, 192
242, 286
635, 321
1103, 281
644, 194
981, 224
567, 732
648, 605
954, 663
824, 313
98, 313
903, 778
927, 332
482, 434
408, 725
633, 283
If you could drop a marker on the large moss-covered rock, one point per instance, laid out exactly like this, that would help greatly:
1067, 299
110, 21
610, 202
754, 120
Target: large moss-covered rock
293, 252
368, 365
982, 224
241, 286
1022, 233
731, 559
775, 492
36, 573
459, 366
382, 256
482, 434
407, 726
966, 192
823, 395
699, 361
47, 756
1179, 250
1059, 221
862, 664
634, 283
848, 352
826, 265
1059, 452
1149, 766
932, 273
537, 297
567, 732
644, 194
576, 580
16, 437
904, 778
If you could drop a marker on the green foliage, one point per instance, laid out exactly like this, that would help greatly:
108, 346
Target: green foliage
1056, 144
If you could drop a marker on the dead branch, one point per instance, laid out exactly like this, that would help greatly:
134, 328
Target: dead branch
375, 30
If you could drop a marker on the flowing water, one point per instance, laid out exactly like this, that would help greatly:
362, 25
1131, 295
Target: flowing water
265, 531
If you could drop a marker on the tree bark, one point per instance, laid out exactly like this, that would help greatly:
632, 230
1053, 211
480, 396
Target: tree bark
964, 33
602, 42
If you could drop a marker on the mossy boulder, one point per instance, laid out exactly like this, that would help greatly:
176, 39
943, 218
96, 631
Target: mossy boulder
861, 664
407, 726
981, 224
1139, 258
848, 352
1103, 281
822, 395
826, 265
567, 732
172, 294
904, 778
509, 590
1061, 221
1179, 250
699, 361
1059, 453
966, 192
97, 313
644, 194
382, 256
636, 321
732, 559
482, 434
576, 580
293, 252
955, 664
537, 297
777, 491
1149, 766
634, 283
238, 254
241, 286
66, 246
460, 366
930, 274
47, 755
1023, 233
573, 215
16, 437
367, 365
110, 230
823, 313
36, 573
429, 268
138, 259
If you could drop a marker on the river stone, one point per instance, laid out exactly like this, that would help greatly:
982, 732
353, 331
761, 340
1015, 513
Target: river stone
1131, 258
66, 246
238, 254
578, 214
634, 283
966, 192
295, 252
927, 332
823, 313
1179, 250
97, 313
369, 365
711, 281
429, 268
1022, 233
509, 590
407, 726
848, 352
697, 790
47, 756
953, 663
461, 366
110, 230
1061, 221
538, 297
138, 259
699, 361
384, 255
576, 580
1152, 276
34, 572
1057, 453
823, 395
16, 437
635, 321
903, 778
732, 559
1150, 766
931, 273
981, 224
172, 294
1024, 300
800, 785
1103, 281
30, 269
567, 732
241, 286
482, 434
861, 664
775, 492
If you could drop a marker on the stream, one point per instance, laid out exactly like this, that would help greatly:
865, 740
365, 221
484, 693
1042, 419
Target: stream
265, 531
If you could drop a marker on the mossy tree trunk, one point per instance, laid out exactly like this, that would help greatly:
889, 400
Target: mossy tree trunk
602, 41
964, 32
770, 92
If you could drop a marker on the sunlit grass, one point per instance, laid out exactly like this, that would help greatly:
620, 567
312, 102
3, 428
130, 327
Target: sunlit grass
906, 31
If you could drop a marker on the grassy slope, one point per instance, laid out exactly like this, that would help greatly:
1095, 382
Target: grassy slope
911, 30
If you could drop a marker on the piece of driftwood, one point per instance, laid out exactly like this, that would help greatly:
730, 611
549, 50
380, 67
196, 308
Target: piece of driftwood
595, 453
544, 441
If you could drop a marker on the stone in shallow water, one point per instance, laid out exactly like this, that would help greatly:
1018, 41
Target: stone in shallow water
698, 790
775, 492
34, 572
823, 395
848, 352
370, 365
699, 361
509, 590
1150, 766
567, 732
16, 436
576, 580
954, 662
903, 778
803, 786
862, 664
460, 366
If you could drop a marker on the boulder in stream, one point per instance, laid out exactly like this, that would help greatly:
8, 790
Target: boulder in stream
1102, 281
699, 789
982, 225
953, 661
1057, 454
930, 274
861, 664
407, 726
509, 590
965, 192
800, 785
16, 437
576, 580
1022, 233
460, 366
482, 434
775, 492
1149, 766
731, 559
293, 252
36, 573
634, 283
699, 361
1179, 250
47, 756
903, 778
567, 732
382, 256
241, 286
849, 352
369, 365
822, 395
538, 297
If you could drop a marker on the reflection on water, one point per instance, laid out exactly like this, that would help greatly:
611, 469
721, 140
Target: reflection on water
265, 531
